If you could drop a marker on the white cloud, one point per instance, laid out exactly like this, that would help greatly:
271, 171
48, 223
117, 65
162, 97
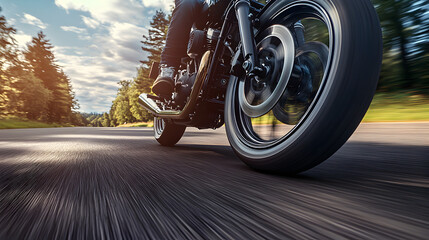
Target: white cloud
106, 11
74, 29
12, 21
121, 18
164, 4
32, 20
90, 22
82, 32
127, 35
22, 38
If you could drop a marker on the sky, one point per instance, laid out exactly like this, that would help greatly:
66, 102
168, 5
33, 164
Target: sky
96, 42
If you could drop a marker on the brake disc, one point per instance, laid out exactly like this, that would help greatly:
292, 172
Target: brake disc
257, 96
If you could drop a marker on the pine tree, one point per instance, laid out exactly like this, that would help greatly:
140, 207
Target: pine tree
153, 43
8, 62
41, 60
35, 97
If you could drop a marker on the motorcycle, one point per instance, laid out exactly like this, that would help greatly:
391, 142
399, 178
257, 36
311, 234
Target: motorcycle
290, 79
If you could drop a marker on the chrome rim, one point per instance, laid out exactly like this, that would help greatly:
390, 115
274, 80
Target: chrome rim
297, 99
158, 126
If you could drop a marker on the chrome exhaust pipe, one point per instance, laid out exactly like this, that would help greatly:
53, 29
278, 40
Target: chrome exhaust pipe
150, 105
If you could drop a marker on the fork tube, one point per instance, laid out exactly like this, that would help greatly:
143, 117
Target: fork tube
242, 9
299, 33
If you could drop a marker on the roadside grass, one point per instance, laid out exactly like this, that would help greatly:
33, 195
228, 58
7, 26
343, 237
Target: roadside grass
137, 124
16, 123
385, 107
398, 107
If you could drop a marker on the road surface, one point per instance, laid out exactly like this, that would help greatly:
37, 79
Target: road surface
118, 183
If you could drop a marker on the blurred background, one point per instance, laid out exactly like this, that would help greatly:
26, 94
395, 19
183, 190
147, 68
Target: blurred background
84, 63
36, 89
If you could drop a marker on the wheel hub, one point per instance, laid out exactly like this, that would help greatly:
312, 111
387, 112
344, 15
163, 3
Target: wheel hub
312, 58
276, 53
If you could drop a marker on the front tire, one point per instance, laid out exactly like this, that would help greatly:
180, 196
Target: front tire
326, 115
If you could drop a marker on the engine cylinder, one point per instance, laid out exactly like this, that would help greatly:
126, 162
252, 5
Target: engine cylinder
184, 88
212, 38
197, 43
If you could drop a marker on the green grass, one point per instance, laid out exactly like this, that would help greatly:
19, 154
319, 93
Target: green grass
15, 123
398, 107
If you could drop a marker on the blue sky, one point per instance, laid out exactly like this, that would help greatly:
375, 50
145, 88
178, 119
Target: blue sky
97, 42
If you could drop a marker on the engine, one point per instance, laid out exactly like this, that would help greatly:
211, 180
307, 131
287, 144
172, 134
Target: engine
184, 87
201, 41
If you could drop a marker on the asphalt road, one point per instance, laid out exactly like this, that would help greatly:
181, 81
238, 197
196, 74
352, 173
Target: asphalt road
117, 183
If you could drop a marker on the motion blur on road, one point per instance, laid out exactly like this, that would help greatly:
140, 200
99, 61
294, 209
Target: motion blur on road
118, 183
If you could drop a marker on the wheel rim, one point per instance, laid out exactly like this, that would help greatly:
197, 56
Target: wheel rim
158, 126
245, 126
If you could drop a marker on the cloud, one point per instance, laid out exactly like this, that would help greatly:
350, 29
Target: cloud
32, 20
82, 32
90, 22
12, 21
106, 11
114, 49
22, 38
163, 4
74, 29
126, 37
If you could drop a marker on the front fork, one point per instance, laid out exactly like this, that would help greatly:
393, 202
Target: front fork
245, 26
251, 63
299, 33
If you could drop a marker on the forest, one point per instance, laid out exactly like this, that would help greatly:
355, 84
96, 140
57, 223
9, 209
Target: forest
34, 87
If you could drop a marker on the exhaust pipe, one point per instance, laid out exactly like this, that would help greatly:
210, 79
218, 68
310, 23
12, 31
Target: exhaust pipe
150, 105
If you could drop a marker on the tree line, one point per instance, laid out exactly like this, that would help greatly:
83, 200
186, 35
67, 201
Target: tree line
32, 85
